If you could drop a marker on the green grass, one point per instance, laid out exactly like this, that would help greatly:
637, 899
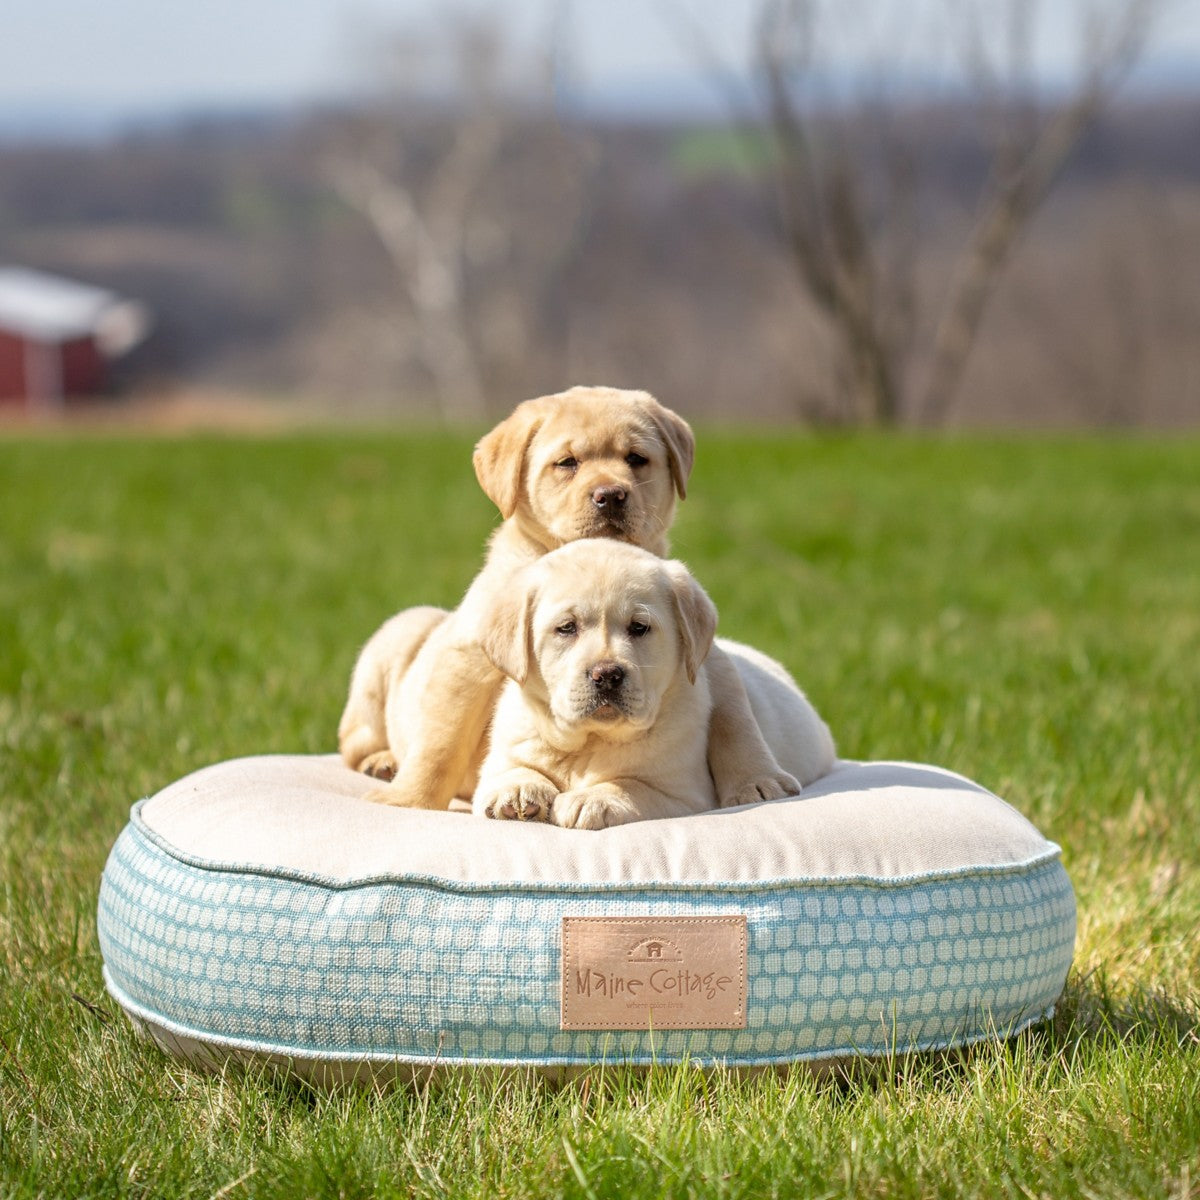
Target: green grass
1024, 611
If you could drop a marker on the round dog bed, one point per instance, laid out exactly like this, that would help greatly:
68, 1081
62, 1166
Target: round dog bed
263, 908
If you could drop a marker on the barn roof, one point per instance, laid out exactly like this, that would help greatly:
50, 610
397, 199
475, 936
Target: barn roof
35, 304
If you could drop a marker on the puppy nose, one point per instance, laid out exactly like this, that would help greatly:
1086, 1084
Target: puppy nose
611, 496
607, 676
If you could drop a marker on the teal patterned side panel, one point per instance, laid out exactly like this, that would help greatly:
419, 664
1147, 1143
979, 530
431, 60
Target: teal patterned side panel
419, 971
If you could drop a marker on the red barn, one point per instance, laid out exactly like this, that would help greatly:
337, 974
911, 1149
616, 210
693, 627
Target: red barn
57, 338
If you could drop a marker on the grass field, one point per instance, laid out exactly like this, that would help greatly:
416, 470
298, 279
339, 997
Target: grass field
1024, 611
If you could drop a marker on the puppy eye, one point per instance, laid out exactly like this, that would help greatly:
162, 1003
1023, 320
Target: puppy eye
566, 629
638, 629
634, 459
568, 463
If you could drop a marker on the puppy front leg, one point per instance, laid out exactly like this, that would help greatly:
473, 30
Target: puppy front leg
381, 665
440, 720
743, 767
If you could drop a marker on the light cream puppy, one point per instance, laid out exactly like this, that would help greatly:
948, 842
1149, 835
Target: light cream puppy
586, 463
605, 716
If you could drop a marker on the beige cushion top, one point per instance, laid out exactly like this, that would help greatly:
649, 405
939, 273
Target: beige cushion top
292, 814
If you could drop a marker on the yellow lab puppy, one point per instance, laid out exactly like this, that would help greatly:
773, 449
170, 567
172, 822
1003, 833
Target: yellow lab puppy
586, 463
605, 717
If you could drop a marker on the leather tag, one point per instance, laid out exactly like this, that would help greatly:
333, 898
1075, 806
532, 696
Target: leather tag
653, 973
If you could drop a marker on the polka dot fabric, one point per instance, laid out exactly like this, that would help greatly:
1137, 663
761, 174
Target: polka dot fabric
424, 970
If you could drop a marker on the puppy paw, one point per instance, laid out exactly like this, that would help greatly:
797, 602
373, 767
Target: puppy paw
384, 796
753, 791
395, 797
517, 802
591, 808
380, 765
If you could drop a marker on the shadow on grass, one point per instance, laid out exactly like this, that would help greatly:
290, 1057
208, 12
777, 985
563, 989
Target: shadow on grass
1091, 1019
1091, 1009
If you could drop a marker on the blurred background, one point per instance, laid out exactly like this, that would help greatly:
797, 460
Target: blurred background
917, 213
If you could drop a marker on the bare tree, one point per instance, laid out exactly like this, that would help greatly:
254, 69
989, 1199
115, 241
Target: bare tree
1028, 156
435, 167
846, 182
858, 269
421, 218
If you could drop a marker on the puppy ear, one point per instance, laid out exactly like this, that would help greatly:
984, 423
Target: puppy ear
696, 616
500, 456
505, 634
681, 446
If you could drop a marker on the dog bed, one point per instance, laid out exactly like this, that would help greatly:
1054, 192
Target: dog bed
263, 908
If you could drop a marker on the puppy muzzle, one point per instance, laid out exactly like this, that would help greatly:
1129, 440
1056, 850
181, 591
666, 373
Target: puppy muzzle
610, 512
606, 693
610, 499
616, 523
607, 676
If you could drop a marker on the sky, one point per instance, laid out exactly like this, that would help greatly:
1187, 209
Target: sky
100, 60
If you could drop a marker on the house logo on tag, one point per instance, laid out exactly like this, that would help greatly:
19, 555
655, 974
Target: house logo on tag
653, 950
653, 972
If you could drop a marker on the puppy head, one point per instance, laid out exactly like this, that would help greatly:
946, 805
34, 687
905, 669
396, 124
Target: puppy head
589, 462
597, 633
